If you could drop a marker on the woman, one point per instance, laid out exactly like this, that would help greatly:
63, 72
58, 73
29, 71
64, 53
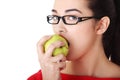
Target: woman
91, 28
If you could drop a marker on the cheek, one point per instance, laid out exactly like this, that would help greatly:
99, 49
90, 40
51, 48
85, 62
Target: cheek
86, 35
82, 40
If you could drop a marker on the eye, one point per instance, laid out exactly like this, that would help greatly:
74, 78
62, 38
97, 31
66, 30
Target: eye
52, 17
55, 18
72, 18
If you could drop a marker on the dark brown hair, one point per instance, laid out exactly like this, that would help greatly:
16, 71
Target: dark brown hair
111, 38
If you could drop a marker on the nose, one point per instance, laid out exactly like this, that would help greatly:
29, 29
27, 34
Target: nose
60, 28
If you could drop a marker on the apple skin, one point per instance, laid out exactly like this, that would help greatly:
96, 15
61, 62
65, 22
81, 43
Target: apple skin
61, 50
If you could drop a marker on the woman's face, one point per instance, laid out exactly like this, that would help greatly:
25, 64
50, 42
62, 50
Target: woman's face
81, 36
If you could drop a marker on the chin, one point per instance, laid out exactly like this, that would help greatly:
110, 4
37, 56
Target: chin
71, 58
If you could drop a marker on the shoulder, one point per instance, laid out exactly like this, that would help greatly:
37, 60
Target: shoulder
76, 77
114, 76
115, 70
36, 76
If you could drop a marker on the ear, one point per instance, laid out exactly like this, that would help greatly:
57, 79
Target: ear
102, 25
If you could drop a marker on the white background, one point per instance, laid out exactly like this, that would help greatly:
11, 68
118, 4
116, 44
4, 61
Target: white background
22, 24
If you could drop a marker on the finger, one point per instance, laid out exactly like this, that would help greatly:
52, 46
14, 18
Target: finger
40, 44
52, 47
59, 58
61, 65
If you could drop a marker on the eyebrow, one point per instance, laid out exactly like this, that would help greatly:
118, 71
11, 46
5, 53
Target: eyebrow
53, 10
68, 10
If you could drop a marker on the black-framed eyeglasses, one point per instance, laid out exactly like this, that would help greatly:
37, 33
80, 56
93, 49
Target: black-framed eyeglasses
67, 19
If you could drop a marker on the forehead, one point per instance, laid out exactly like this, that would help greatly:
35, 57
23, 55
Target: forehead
62, 5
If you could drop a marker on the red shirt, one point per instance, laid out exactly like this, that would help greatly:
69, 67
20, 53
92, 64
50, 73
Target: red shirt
38, 76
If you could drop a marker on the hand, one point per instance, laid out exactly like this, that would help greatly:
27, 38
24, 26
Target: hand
50, 65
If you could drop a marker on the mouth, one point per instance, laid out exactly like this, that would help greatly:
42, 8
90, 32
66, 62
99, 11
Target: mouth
68, 43
66, 40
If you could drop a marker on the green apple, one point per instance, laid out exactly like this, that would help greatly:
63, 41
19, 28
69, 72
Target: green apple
61, 50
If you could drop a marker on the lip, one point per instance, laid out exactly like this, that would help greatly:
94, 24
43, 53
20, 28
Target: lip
66, 40
68, 43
